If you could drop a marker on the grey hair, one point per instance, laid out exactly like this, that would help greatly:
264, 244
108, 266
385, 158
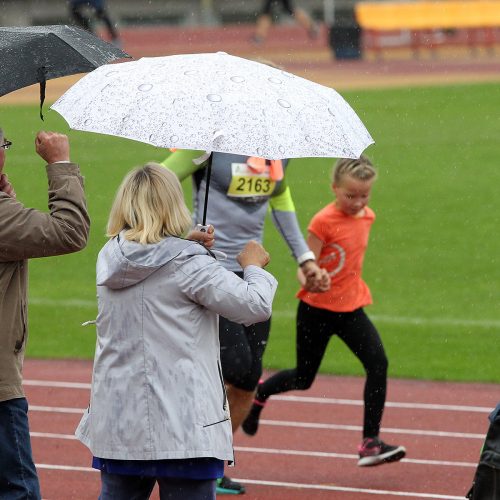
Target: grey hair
361, 169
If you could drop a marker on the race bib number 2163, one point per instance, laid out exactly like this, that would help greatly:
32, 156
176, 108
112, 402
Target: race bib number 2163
247, 183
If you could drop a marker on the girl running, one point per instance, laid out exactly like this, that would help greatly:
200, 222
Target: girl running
338, 236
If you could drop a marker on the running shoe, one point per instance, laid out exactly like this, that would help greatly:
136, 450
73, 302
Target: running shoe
226, 486
373, 451
250, 425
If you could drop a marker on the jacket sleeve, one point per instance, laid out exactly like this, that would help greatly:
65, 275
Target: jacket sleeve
28, 233
285, 220
245, 301
183, 162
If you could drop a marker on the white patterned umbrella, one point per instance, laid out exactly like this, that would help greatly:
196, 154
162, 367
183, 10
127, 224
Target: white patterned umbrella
215, 102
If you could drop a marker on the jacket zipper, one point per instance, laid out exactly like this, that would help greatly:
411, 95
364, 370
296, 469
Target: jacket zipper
224, 402
19, 344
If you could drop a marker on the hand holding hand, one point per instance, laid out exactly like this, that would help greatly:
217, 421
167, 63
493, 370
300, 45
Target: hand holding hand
206, 238
52, 147
253, 254
6, 186
316, 279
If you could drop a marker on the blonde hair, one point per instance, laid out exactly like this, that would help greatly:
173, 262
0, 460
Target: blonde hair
361, 169
149, 205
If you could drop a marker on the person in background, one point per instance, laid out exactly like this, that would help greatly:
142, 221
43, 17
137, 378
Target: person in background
158, 410
265, 21
241, 191
338, 236
77, 9
486, 484
26, 233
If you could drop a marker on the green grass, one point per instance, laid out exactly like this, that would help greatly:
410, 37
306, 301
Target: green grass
432, 263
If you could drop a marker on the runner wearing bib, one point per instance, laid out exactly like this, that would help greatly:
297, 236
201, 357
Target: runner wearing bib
241, 191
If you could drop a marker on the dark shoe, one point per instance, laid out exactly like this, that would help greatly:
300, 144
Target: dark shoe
373, 451
250, 425
226, 486
257, 40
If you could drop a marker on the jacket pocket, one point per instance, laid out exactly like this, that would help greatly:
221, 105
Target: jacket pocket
224, 400
20, 342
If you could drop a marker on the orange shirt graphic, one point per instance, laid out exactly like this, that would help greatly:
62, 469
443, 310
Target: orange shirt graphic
345, 239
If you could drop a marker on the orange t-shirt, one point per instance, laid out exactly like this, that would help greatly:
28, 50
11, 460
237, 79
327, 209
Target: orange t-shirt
345, 239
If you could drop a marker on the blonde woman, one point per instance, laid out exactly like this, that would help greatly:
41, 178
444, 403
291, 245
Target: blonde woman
158, 409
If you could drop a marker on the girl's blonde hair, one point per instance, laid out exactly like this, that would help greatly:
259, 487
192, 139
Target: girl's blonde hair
149, 205
361, 169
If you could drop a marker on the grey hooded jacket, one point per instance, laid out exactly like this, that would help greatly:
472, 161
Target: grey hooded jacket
157, 388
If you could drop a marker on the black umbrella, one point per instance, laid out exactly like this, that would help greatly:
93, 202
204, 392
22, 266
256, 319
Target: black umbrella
35, 54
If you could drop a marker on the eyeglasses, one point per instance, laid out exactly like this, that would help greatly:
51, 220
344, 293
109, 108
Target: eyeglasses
6, 145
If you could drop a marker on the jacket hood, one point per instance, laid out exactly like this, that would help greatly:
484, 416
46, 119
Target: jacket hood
122, 263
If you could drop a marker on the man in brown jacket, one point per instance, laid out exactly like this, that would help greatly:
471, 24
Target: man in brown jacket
26, 233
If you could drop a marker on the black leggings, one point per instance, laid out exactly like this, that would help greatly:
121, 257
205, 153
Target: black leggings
287, 6
241, 351
315, 327
84, 22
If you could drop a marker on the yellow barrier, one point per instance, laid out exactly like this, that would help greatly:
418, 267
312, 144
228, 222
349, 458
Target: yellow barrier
421, 15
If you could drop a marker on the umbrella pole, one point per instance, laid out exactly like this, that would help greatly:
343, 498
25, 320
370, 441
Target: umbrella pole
207, 187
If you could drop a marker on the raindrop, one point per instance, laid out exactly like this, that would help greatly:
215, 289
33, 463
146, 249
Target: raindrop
237, 79
281, 149
151, 137
191, 72
88, 121
331, 112
111, 73
125, 119
273, 79
214, 97
145, 87
260, 151
284, 104
307, 138
266, 137
174, 138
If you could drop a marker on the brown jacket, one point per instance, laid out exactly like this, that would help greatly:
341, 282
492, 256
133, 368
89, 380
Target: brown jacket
27, 233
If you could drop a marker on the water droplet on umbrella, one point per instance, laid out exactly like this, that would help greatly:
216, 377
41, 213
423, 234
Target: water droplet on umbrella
174, 138
331, 112
237, 79
191, 72
125, 119
273, 79
281, 149
307, 138
266, 137
145, 87
111, 73
88, 121
260, 151
284, 104
214, 97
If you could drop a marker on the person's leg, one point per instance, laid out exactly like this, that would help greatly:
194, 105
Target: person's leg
313, 331
76, 11
362, 338
123, 487
182, 489
103, 15
486, 483
18, 477
263, 23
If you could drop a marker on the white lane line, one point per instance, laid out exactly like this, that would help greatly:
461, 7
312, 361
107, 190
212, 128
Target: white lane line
56, 409
291, 313
348, 456
302, 453
282, 484
407, 320
358, 428
301, 399
390, 404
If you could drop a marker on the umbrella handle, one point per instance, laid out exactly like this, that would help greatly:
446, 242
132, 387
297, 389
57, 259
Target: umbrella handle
41, 78
207, 187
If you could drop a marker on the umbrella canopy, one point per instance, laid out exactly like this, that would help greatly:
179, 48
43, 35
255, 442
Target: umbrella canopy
35, 54
215, 102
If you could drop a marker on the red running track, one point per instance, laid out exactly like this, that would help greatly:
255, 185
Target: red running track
306, 445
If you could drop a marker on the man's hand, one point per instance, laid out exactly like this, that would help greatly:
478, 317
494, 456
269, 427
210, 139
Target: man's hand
6, 186
316, 279
253, 254
52, 147
206, 238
